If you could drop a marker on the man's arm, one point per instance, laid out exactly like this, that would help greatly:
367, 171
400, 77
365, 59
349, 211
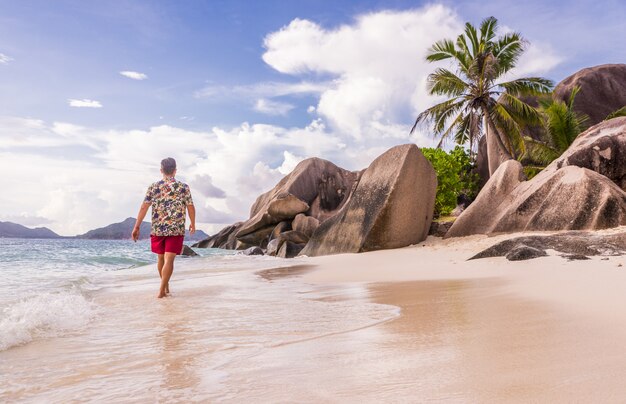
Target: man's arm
192, 218
140, 216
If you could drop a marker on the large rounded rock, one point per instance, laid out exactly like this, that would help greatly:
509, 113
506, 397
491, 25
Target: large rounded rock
305, 224
188, 251
289, 249
572, 198
392, 206
273, 246
317, 182
497, 192
286, 206
601, 148
317, 187
225, 238
579, 243
253, 251
602, 90
259, 237
280, 228
523, 252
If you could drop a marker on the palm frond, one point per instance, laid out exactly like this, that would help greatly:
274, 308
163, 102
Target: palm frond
459, 120
617, 113
572, 96
444, 82
508, 49
527, 86
562, 124
441, 50
540, 152
472, 35
488, 28
523, 113
435, 113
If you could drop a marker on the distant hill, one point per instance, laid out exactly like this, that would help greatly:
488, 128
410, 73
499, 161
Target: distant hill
123, 231
14, 230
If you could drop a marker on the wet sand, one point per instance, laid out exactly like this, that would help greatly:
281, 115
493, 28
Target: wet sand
543, 330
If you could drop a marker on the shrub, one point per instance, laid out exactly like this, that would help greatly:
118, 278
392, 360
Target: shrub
455, 177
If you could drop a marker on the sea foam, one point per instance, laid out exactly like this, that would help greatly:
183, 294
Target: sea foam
44, 315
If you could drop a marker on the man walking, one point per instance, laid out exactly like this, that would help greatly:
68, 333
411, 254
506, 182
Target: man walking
170, 200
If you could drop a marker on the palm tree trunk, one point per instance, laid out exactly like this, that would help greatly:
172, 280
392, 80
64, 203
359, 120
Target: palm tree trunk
497, 152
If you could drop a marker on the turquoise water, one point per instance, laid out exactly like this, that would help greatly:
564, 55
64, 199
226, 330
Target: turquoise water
31, 266
47, 284
80, 321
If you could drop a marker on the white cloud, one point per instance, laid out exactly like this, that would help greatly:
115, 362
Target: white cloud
270, 107
84, 103
379, 66
268, 89
134, 75
5, 59
377, 62
204, 184
226, 168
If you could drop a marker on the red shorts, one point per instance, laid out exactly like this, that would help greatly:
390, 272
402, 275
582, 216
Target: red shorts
170, 244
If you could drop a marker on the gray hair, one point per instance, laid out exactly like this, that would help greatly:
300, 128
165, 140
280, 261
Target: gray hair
168, 165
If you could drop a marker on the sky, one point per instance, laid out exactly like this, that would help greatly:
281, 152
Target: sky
93, 94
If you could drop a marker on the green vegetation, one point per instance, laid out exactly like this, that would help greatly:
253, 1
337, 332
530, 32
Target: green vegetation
616, 114
454, 177
561, 125
477, 104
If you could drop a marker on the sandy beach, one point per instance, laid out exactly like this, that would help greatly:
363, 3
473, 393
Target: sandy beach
489, 330
407, 325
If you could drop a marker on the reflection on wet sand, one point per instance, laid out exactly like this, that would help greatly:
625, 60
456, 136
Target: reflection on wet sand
460, 340
177, 362
504, 348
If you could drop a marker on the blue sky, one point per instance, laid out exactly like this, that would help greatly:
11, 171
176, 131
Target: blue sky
237, 91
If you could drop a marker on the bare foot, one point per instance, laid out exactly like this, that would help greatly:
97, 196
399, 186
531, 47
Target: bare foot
161, 294
167, 289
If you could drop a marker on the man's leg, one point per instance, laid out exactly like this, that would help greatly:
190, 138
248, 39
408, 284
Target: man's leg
166, 273
160, 263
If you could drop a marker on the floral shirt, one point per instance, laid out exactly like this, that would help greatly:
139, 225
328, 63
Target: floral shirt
169, 199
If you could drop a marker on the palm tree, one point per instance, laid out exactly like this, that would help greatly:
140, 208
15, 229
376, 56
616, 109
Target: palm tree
561, 126
478, 104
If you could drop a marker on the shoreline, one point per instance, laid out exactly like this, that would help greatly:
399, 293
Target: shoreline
417, 323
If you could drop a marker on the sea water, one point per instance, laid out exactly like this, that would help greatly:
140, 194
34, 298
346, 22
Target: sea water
79, 320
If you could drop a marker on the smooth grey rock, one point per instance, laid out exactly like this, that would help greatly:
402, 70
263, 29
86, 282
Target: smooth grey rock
391, 207
573, 242
289, 249
305, 224
273, 246
188, 252
602, 90
570, 198
523, 252
439, 229
253, 251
